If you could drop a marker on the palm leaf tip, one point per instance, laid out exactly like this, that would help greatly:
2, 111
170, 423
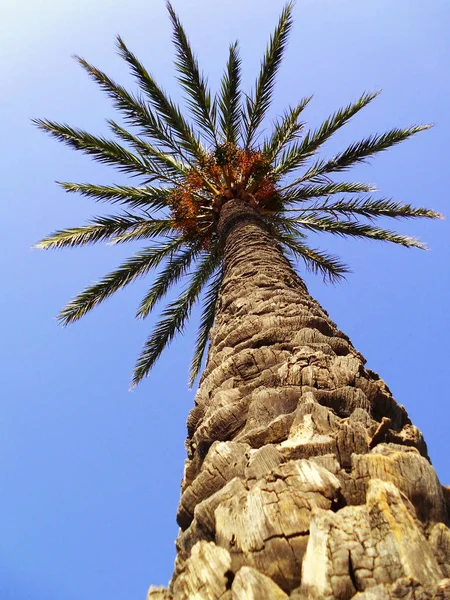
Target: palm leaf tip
192, 80
258, 104
174, 317
229, 99
206, 323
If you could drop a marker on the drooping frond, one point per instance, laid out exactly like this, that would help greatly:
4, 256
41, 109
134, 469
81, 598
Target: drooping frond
359, 152
102, 229
137, 266
134, 110
325, 224
257, 105
229, 99
192, 80
164, 105
300, 152
173, 319
330, 267
176, 266
102, 150
285, 130
147, 198
206, 322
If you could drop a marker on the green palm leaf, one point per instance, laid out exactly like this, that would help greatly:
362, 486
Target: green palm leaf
353, 229
147, 198
306, 192
285, 130
295, 156
166, 166
371, 209
133, 108
173, 319
149, 229
103, 150
165, 107
330, 267
229, 99
175, 268
206, 322
103, 229
256, 106
137, 266
193, 82
359, 152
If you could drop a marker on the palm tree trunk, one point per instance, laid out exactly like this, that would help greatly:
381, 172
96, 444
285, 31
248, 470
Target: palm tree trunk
304, 477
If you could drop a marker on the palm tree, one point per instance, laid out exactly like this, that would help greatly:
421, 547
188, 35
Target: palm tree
304, 478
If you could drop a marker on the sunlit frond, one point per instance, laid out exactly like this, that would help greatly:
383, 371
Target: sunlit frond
300, 152
176, 266
166, 167
147, 198
355, 229
285, 130
307, 192
230, 99
372, 209
102, 150
137, 266
257, 105
359, 152
330, 267
162, 103
102, 229
206, 322
133, 108
173, 319
192, 80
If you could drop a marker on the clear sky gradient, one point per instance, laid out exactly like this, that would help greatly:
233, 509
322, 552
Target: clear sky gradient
90, 473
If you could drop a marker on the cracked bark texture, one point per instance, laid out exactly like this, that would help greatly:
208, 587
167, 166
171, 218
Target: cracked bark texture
304, 478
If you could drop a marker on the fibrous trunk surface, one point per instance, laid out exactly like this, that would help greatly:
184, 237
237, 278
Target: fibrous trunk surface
304, 478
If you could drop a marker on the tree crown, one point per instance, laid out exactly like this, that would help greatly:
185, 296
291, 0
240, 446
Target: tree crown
190, 166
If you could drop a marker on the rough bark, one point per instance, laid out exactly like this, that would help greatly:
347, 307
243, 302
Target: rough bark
304, 478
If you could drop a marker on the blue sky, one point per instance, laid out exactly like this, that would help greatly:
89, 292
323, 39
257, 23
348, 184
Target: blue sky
90, 473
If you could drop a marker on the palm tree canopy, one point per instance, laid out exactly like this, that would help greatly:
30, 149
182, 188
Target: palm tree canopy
189, 167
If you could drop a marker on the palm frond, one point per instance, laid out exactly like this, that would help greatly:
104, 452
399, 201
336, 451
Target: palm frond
176, 267
133, 108
306, 192
373, 208
149, 229
298, 153
360, 151
163, 104
355, 229
102, 229
229, 99
330, 267
206, 322
165, 165
102, 150
133, 268
148, 198
285, 130
256, 106
173, 319
192, 80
